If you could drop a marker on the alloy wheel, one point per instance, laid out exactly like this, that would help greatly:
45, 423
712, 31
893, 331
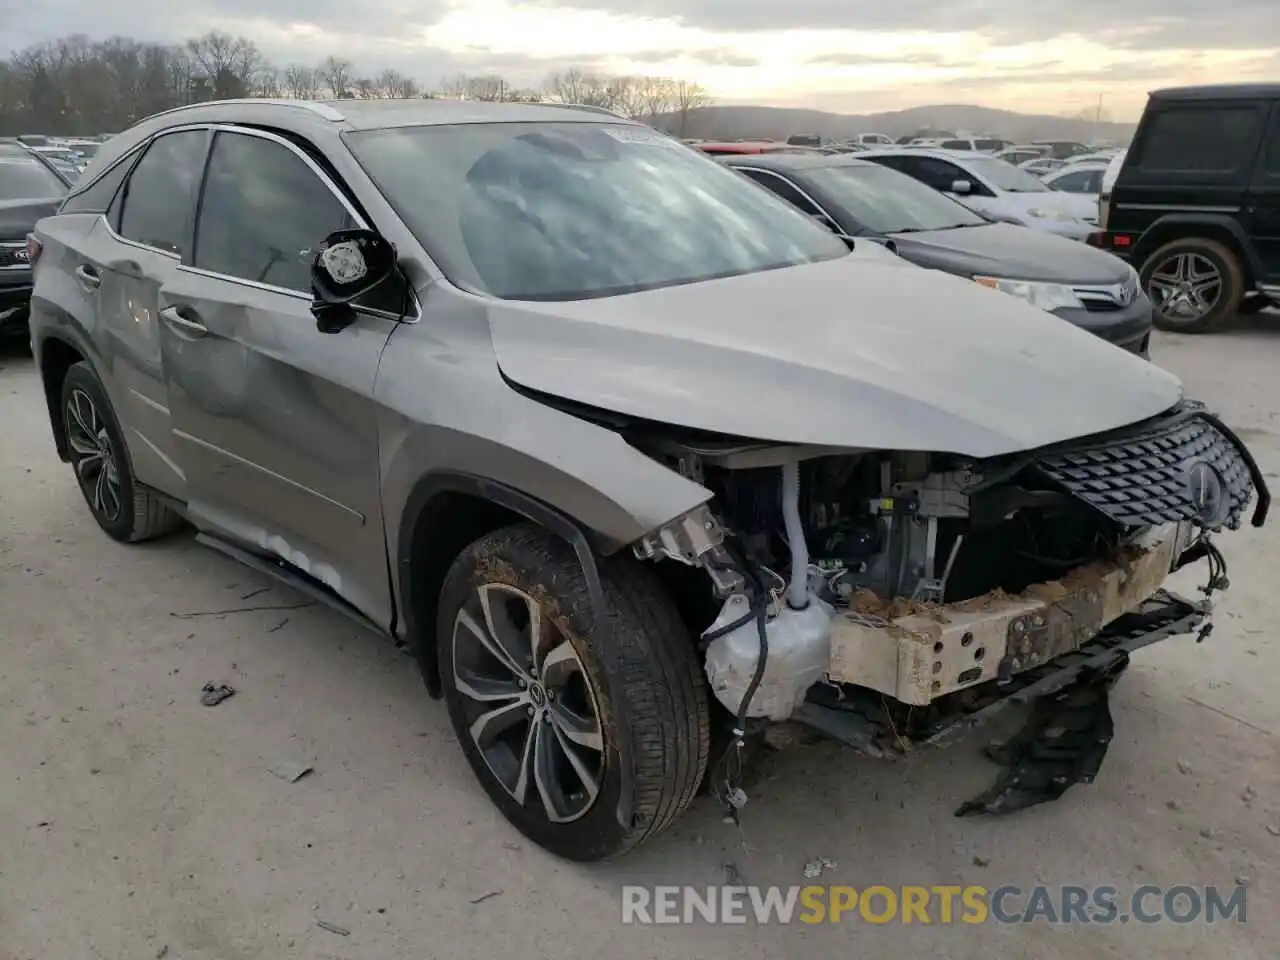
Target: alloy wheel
1186, 286
529, 703
93, 456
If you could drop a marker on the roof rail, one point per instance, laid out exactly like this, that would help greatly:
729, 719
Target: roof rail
324, 110
588, 107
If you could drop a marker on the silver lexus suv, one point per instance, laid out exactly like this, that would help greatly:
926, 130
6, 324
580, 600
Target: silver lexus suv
636, 459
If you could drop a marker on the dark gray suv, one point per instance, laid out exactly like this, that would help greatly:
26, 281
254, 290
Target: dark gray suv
636, 458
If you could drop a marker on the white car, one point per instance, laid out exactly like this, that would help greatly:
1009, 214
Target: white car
997, 190
1079, 179
875, 141
1042, 165
973, 144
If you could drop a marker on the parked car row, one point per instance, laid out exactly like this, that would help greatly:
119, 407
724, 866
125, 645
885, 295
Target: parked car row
31, 187
636, 458
858, 198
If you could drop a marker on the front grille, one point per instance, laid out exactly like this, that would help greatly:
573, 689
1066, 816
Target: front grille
13, 255
1145, 477
1100, 306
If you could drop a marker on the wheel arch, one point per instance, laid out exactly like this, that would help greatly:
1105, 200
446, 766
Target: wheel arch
55, 354
1182, 226
446, 511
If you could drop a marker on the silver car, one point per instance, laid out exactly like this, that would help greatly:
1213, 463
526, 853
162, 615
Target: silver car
636, 459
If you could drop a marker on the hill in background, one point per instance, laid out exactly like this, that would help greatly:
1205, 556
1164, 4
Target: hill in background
730, 121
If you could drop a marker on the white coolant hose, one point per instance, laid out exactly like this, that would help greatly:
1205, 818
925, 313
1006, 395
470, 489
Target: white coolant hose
798, 589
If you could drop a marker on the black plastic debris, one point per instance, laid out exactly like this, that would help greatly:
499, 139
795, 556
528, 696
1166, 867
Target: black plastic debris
213, 694
1063, 743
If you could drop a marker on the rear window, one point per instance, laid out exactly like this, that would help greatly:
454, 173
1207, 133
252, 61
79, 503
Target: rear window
23, 177
1200, 138
989, 144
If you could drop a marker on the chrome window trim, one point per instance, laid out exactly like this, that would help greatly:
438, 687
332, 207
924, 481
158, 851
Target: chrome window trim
129, 156
793, 185
416, 312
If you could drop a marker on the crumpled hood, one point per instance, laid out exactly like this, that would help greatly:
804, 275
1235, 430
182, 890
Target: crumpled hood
856, 352
1006, 250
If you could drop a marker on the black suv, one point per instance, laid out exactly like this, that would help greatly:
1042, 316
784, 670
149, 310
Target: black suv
1196, 204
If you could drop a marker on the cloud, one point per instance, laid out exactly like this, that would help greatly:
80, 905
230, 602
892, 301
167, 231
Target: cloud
863, 55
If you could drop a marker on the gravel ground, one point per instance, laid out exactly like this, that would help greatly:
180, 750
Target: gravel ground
136, 823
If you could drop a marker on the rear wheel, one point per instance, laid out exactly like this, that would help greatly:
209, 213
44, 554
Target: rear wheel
123, 507
529, 687
1195, 285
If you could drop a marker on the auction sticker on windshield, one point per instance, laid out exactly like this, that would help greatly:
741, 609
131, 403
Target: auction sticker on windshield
641, 135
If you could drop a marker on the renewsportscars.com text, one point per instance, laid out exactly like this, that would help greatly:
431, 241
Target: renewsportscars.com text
941, 904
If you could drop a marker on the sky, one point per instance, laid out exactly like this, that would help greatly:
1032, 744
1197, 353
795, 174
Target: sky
848, 56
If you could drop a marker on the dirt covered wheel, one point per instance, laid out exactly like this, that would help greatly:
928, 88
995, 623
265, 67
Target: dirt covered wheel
124, 508
1195, 285
528, 690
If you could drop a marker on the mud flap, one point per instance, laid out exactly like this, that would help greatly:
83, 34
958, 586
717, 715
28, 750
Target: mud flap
1063, 743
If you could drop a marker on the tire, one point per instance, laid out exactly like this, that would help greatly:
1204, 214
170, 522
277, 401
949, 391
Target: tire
127, 510
1161, 278
651, 660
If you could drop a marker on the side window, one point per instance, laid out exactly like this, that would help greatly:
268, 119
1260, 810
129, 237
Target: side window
98, 197
1201, 138
908, 165
941, 175
263, 214
158, 199
784, 189
955, 145
1076, 182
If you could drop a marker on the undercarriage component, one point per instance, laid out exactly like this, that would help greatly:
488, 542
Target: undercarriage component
917, 653
1063, 743
878, 726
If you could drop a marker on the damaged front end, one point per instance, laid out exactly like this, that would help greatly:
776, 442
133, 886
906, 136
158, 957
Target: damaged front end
888, 599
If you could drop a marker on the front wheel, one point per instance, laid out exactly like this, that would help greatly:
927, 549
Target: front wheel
528, 689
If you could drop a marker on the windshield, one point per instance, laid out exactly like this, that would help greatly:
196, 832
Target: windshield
886, 201
567, 211
1005, 176
26, 178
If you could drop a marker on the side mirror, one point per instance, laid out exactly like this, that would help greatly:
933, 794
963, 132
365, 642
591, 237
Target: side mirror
349, 264
961, 187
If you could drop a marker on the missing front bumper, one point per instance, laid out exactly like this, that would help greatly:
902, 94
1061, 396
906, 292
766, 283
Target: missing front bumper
874, 725
936, 651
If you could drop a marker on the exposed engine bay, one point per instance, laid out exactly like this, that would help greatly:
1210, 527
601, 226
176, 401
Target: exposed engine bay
922, 589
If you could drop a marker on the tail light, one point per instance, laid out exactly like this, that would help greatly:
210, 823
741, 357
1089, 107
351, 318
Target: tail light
34, 246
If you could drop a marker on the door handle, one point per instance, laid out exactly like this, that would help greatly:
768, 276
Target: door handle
88, 277
183, 319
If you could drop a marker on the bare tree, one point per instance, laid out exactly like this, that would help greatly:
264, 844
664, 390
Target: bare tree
74, 85
224, 64
266, 82
336, 75
656, 96
394, 85
486, 88
301, 82
686, 97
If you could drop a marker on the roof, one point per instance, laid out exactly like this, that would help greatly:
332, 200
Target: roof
1220, 91
378, 114
755, 148
936, 152
796, 161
